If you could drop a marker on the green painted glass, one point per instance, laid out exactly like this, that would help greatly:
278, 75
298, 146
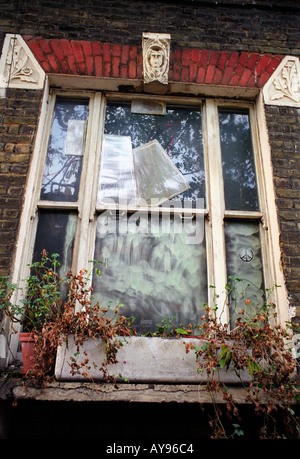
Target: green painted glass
244, 267
153, 266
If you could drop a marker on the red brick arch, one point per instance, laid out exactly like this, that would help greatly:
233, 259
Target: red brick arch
188, 65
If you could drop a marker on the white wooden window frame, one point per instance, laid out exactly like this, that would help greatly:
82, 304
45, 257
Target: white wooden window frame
214, 214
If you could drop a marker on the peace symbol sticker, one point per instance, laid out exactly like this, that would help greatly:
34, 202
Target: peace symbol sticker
246, 254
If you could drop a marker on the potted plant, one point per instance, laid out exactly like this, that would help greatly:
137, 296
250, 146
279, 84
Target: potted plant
39, 305
49, 317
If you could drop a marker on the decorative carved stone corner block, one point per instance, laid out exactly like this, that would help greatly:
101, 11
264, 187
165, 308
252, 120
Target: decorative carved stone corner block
283, 87
156, 60
18, 66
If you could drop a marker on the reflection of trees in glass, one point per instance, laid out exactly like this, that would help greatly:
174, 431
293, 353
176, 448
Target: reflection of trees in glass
55, 234
62, 171
179, 132
238, 161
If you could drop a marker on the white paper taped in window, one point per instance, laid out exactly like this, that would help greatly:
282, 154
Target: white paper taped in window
75, 137
158, 179
117, 176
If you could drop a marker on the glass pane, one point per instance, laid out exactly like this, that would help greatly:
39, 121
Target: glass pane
55, 234
117, 175
152, 265
238, 161
158, 179
65, 151
244, 262
179, 132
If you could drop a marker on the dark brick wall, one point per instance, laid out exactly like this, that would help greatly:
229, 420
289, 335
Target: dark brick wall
257, 26
232, 25
19, 113
284, 135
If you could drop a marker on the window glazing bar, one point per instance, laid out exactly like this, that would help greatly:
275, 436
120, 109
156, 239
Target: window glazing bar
216, 203
87, 190
243, 214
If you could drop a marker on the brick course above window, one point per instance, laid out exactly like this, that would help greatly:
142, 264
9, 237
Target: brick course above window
190, 65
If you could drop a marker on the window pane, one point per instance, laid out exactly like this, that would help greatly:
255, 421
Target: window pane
117, 175
157, 177
65, 151
153, 266
238, 161
244, 262
179, 132
55, 234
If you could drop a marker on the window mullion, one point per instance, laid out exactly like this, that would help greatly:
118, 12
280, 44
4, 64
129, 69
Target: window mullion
216, 201
87, 199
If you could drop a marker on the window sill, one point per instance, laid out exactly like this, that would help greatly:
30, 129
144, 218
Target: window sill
140, 360
82, 391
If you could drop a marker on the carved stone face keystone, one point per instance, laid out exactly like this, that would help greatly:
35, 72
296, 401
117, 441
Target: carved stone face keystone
156, 57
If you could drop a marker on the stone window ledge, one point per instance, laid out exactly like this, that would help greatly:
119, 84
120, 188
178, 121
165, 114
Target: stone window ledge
14, 389
140, 360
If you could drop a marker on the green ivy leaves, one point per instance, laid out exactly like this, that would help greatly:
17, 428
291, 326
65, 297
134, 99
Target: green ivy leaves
226, 357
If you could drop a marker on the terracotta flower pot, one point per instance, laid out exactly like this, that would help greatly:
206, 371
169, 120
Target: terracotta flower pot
27, 346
